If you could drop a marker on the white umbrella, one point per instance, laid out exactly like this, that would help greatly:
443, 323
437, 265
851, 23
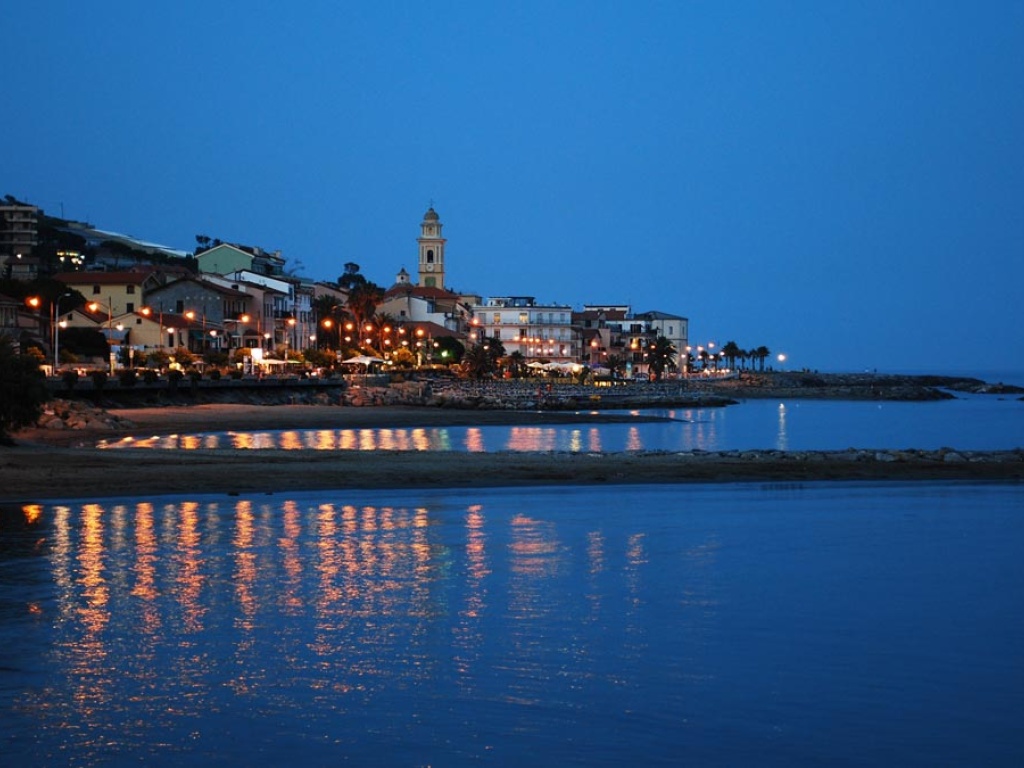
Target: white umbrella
361, 360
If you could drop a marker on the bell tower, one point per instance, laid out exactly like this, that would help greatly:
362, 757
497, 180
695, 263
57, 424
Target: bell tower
431, 243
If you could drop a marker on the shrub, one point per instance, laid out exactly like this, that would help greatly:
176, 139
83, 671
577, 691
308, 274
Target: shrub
22, 389
150, 376
128, 378
215, 374
70, 379
99, 379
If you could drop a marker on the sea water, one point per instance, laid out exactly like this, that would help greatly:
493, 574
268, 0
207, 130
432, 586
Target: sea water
740, 624
972, 422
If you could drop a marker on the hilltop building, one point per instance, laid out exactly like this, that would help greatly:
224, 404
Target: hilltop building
19, 235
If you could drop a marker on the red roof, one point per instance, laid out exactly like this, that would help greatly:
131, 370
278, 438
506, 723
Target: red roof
420, 291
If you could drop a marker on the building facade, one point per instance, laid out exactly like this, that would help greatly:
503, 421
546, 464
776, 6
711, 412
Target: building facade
536, 331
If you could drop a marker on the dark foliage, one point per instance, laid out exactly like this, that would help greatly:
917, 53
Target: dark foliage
22, 390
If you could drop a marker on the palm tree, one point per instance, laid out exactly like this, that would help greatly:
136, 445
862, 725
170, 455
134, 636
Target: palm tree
363, 301
731, 352
761, 354
482, 359
662, 354
616, 364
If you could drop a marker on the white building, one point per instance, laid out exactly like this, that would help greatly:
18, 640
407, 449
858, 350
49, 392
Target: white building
537, 331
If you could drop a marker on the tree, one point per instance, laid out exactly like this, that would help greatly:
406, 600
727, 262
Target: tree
616, 364
351, 278
760, 354
202, 243
661, 355
22, 390
448, 349
516, 364
731, 351
403, 357
481, 360
363, 301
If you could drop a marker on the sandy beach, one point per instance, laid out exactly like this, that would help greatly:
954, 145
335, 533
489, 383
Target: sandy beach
49, 464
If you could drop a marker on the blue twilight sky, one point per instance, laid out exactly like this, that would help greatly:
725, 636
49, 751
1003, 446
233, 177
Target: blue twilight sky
839, 181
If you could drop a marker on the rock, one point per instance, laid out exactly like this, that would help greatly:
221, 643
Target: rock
952, 457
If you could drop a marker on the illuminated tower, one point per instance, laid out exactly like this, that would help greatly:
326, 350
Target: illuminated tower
431, 251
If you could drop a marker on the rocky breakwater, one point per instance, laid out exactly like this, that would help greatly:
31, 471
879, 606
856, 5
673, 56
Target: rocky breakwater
851, 464
850, 386
79, 415
534, 396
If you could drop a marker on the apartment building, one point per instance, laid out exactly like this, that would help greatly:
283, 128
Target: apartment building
537, 331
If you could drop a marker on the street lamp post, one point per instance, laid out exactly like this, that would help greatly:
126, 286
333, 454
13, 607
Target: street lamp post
56, 331
94, 307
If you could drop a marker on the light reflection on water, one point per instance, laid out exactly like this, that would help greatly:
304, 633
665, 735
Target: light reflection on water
977, 423
726, 625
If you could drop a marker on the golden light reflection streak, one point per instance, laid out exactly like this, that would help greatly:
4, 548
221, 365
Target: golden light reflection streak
32, 513
145, 568
421, 547
245, 563
90, 560
87, 653
576, 440
475, 440
367, 439
420, 439
189, 442
323, 440
476, 561
533, 547
290, 441
531, 439
328, 593
633, 441
292, 558
60, 556
190, 576
468, 637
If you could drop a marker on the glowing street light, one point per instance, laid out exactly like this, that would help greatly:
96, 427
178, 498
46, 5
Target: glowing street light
94, 307
56, 331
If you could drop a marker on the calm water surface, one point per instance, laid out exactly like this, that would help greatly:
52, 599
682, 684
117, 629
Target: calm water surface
968, 423
829, 624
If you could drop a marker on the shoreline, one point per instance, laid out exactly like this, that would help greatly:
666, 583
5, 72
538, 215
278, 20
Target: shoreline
48, 464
